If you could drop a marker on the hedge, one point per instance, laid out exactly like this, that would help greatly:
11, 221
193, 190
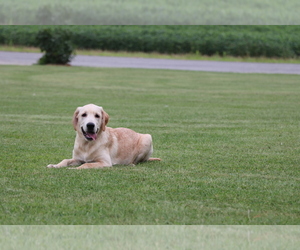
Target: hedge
253, 41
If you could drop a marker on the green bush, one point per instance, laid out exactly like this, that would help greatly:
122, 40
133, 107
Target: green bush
267, 41
57, 45
252, 41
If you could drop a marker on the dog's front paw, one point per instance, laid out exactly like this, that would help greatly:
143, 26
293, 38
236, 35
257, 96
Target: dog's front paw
52, 166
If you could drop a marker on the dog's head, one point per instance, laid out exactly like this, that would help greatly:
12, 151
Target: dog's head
90, 120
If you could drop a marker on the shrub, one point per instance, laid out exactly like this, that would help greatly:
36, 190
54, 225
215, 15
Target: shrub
253, 41
57, 45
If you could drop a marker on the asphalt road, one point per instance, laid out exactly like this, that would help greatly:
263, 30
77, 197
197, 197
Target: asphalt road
22, 58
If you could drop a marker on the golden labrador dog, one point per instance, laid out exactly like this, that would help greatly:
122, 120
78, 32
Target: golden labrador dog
98, 146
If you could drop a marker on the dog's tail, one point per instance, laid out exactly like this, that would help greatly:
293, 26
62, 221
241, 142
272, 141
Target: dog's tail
154, 159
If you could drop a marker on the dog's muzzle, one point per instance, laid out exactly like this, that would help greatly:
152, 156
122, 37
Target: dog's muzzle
90, 134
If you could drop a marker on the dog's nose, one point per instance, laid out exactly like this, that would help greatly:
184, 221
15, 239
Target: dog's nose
90, 126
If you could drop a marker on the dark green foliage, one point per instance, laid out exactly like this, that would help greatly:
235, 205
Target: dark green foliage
57, 45
253, 41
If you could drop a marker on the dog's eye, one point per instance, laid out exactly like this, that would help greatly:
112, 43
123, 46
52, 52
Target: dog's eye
83, 115
97, 116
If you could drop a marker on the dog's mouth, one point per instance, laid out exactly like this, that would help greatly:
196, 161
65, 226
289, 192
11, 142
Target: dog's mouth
90, 136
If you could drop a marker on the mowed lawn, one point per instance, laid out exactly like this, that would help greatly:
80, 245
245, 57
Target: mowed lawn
229, 144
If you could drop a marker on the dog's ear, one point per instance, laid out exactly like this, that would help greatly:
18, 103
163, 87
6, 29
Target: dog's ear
105, 118
75, 118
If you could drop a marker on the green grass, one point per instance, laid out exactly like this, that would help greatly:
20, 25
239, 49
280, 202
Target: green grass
151, 12
229, 145
149, 237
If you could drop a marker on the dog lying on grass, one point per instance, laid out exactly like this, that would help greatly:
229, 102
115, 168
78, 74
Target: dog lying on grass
98, 146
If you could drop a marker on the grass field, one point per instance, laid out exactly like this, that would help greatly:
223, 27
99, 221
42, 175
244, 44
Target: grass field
229, 145
156, 12
179, 237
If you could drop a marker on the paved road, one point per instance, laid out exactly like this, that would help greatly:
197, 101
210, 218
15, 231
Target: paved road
21, 58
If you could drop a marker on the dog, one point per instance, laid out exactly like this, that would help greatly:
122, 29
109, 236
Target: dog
98, 146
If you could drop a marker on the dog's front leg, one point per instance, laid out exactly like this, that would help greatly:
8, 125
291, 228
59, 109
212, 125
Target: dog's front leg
65, 163
93, 165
